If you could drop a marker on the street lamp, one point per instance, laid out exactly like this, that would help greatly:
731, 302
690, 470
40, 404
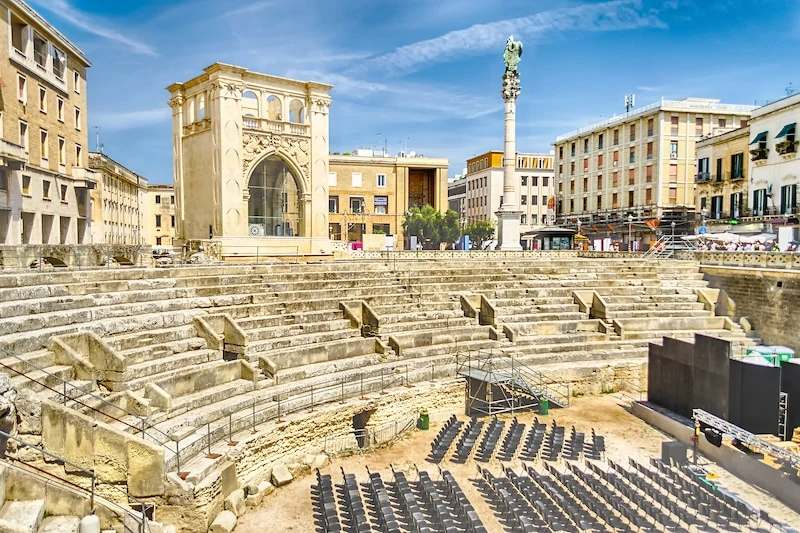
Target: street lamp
630, 229
673, 230
579, 230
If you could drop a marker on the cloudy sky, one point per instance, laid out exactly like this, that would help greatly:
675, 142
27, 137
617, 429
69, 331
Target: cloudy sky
426, 74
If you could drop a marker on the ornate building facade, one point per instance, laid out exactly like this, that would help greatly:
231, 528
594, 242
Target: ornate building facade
251, 161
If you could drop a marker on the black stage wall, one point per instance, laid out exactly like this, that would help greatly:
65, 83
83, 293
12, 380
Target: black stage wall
683, 376
755, 391
790, 384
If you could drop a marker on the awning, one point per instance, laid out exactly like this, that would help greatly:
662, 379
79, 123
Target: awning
760, 137
787, 129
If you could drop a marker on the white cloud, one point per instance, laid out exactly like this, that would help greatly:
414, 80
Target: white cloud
94, 25
132, 119
480, 38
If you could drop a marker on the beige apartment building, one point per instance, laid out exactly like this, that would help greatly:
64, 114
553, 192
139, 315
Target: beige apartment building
370, 192
484, 188
721, 180
629, 177
45, 183
118, 202
160, 226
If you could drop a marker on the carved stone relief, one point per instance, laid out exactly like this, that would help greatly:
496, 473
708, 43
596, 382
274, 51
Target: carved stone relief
296, 149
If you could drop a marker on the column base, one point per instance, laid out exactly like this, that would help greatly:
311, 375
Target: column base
508, 235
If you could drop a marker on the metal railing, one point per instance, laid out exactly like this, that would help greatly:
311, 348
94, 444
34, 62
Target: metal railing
94, 480
368, 438
63, 392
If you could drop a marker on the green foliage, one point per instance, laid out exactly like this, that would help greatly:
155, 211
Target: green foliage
479, 232
377, 231
431, 227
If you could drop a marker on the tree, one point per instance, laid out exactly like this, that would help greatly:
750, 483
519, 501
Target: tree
479, 232
431, 227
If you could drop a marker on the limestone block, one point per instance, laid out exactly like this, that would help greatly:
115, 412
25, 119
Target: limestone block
229, 481
281, 475
266, 488
21, 486
158, 397
64, 501
319, 461
223, 523
79, 439
253, 500
298, 469
235, 503
29, 411
176, 487
145, 468
53, 428
110, 454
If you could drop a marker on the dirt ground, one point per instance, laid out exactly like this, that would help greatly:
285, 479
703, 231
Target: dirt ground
290, 508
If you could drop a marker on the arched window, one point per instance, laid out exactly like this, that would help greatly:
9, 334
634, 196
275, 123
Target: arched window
275, 207
297, 112
201, 107
274, 108
250, 95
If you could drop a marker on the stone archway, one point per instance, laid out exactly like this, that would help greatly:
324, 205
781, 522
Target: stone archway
276, 204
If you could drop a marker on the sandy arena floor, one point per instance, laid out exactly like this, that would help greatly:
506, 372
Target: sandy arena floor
290, 508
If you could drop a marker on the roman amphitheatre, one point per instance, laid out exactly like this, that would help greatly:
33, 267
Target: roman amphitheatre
288, 396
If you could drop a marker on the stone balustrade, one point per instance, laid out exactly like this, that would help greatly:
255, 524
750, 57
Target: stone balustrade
781, 260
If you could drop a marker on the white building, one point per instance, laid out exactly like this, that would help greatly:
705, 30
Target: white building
484, 188
774, 166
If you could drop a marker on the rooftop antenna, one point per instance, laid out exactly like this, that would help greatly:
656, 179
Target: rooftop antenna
789, 89
97, 138
630, 102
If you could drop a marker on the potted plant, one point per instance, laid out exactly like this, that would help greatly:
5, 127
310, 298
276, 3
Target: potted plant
786, 147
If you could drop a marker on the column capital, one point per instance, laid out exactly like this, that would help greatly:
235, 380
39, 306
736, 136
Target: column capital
511, 87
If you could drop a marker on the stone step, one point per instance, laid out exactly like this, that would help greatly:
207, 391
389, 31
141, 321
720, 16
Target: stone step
35, 306
140, 339
168, 378
658, 313
60, 524
385, 311
565, 339
539, 317
52, 377
449, 348
418, 323
613, 305
21, 516
167, 349
586, 347
168, 363
327, 368
31, 292
27, 362
256, 322
685, 334
502, 312
282, 331
265, 347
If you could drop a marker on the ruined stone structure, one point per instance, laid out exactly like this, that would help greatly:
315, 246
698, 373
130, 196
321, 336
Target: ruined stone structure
251, 161
187, 385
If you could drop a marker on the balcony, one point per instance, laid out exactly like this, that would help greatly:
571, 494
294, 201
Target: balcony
738, 175
702, 176
14, 155
786, 147
262, 124
759, 154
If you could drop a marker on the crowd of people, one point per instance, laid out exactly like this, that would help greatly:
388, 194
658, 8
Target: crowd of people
768, 246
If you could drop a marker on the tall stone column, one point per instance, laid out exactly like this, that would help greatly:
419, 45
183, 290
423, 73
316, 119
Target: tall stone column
508, 216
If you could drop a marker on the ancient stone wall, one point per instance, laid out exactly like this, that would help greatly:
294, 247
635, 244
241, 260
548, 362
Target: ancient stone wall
767, 298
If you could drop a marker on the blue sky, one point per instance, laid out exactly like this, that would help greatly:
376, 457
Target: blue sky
427, 73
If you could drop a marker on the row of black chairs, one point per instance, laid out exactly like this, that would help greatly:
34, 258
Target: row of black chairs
533, 441
691, 493
408, 502
553, 443
574, 445
464, 510
387, 522
596, 448
511, 509
353, 505
565, 498
687, 490
467, 441
444, 439
326, 503
442, 518
511, 441
578, 485
490, 439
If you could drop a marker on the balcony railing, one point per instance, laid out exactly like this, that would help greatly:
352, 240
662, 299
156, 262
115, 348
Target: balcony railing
702, 176
786, 147
262, 124
759, 154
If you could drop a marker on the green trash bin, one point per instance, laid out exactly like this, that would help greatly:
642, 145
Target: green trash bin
544, 406
424, 421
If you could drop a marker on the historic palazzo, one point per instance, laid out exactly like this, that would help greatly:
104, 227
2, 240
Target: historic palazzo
251, 161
